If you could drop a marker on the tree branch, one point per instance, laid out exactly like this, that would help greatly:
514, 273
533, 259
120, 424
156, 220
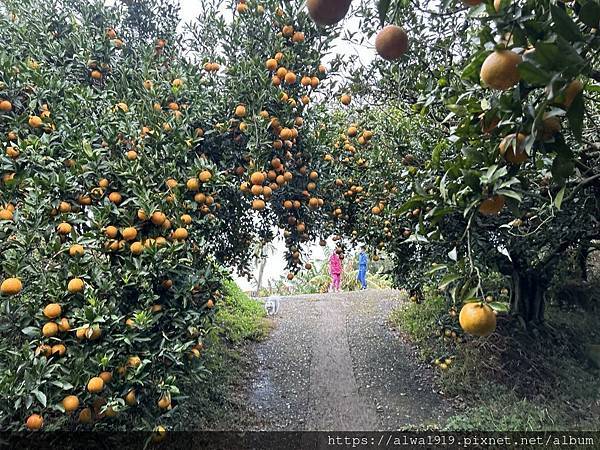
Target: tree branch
581, 185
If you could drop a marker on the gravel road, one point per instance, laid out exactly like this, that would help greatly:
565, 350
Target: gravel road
332, 362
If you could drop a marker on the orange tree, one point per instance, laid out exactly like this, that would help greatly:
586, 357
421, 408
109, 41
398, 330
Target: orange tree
514, 186
138, 161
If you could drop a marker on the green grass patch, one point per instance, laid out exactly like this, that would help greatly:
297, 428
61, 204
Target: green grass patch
514, 379
240, 318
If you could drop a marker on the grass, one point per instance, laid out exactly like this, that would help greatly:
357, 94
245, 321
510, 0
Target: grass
514, 380
212, 404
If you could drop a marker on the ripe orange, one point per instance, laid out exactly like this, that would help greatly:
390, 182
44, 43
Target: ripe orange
75, 285
290, 78
158, 218
11, 286
499, 70
6, 214
298, 37
391, 42
58, 350
180, 234
492, 206
115, 197
271, 64
96, 74
35, 422
85, 416
186, 219
258, 204
129, 233
130, 398
240, 111
64, 325
121, 106
136, 248
327, 12
81, 332
287, 30
134, 361
12, 152
205, 176
5, 106
76, 250
550, 127
106, 377
257, 178
70, 403
64, 228
512, 148
52, 310
95, 385
111, 231
346, 99
571, 91
160, 433
164, 402
35, 122
477, 319
50, 329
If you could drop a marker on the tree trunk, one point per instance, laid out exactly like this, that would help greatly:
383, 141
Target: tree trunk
528, 296
582, 257
261, 271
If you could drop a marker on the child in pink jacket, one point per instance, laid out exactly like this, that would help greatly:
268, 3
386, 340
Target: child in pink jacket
335, 270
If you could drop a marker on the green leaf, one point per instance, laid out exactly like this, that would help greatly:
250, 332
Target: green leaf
41, 397
510, 194
435, 268
449, 279
564, 25
575, 115
590, 14
532, 74
559, 198
382, 8
499, 307
471, 71
31, 331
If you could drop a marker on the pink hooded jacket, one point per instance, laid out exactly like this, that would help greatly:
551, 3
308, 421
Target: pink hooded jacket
335, 264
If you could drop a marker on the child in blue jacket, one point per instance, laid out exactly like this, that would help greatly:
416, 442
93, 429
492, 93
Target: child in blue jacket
363, 261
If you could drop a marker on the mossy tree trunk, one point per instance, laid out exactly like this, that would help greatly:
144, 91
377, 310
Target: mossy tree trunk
528, 296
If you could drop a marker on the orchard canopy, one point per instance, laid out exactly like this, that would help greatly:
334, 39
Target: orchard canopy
142, 158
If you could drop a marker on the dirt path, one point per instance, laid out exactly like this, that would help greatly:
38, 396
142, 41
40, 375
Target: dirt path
333, 363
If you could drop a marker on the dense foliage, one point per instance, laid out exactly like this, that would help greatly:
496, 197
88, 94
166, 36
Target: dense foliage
141, 156
138, 160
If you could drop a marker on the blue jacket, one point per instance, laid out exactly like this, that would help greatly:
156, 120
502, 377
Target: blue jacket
363, 260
